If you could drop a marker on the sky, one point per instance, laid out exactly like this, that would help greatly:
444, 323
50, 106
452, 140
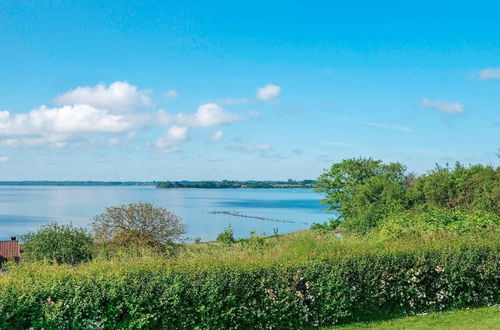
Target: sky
264, 90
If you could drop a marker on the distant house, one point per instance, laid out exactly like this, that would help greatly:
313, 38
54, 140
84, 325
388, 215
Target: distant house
10, 250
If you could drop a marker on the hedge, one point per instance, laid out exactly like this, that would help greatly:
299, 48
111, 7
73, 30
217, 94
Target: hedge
321, 292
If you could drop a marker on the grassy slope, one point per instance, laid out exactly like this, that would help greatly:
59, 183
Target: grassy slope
481, 318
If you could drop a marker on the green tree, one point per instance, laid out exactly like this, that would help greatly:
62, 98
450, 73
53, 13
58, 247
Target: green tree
363, 191
476, 187
138, 224
63, 244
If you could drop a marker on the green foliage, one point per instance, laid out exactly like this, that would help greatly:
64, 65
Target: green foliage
138, 224
416, 224
332, 282
364, 191
226, 238
255, 241
332, 224
466, 188
63, 244
224, 184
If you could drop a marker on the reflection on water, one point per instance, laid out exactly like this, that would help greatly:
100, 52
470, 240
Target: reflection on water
24, 208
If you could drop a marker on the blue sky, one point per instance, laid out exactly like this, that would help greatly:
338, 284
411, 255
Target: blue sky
171, 90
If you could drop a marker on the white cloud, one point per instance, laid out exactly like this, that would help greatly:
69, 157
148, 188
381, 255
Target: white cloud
174, 136
443, 106
206, 115
217, 136
68, 119
268, 93
254, 114
56, 125
489, 74
95, 111
120, 95
171, 94
4, 159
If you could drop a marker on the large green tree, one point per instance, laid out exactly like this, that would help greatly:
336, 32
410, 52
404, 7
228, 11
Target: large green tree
362, 191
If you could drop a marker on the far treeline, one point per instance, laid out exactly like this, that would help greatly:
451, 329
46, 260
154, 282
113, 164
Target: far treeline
78, 183
237, 184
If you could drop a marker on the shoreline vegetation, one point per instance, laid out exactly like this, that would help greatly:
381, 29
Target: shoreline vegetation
78, 183
408, 245
225, 184
184, 184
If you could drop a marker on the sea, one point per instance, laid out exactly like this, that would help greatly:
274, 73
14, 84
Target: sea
206, 212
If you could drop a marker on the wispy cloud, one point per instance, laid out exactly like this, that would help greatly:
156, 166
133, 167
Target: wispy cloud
381, 125
4, 159
443, 106
209, 114
171, 94
489, 73
217, 136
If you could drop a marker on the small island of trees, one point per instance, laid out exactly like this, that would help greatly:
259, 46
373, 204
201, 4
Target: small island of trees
224, 184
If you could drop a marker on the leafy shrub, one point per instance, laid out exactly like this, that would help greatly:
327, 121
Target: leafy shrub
474, 188
365, 191
433, 221
63, 244
138, 224
332, 224
368, 284
226, 238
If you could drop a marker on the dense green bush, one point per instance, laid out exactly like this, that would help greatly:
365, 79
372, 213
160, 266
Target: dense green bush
364, 191
473, 188
62, 244
365, 282
226, 238
412, 224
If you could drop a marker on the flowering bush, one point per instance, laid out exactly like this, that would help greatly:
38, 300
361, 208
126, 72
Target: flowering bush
301, 293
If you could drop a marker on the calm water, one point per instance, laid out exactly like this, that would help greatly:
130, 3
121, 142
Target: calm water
24, 208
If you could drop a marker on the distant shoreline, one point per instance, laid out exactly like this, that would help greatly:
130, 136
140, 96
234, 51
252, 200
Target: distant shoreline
251, 184
78, 183
225, 184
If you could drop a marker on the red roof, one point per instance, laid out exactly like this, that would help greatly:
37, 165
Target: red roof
9, 249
